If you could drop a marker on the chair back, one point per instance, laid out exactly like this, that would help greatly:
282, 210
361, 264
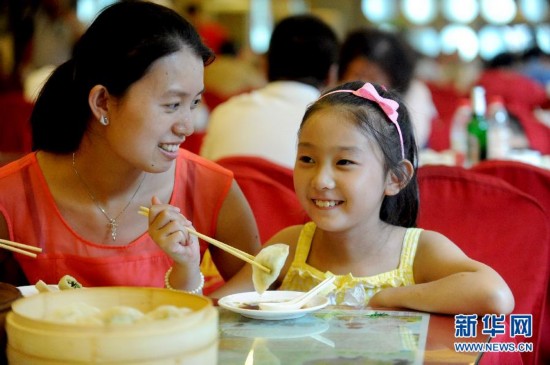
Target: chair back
534, 181
269, 189
497, 224
15, 127
530, 179
193, 142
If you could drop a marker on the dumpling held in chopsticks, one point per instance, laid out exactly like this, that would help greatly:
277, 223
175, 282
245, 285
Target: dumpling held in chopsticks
273, 257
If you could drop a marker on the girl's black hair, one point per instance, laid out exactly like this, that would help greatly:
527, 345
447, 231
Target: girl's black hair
400, 209
115, 51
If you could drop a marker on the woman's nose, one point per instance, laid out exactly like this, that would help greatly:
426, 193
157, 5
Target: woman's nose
184, 127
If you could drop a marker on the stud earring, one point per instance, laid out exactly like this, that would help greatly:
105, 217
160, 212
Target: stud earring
103, 120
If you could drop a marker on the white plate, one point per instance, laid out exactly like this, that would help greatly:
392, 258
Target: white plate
241, 303
29, 290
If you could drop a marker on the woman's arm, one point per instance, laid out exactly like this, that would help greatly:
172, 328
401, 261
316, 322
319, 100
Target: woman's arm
237, 227
447, 281
242, 281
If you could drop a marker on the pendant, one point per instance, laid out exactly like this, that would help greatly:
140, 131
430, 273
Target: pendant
113, 225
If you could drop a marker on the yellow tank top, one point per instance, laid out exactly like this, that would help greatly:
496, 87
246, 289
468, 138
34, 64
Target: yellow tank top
349, 289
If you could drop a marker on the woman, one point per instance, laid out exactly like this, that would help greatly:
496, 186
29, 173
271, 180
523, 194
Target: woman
107, 128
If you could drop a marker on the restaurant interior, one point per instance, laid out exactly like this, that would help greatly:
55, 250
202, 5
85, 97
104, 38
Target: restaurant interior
503, 199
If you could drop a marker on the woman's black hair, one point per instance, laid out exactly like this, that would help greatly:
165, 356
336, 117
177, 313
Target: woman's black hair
115, 51
400, 209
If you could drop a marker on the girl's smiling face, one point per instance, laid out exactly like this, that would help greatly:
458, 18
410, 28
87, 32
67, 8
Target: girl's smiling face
148, 124
339, 174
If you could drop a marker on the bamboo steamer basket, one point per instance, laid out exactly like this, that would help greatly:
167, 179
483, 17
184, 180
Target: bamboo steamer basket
191, 340
8, 294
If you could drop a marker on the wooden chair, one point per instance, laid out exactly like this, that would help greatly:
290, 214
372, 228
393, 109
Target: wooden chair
534, 181
269, 189
497, 224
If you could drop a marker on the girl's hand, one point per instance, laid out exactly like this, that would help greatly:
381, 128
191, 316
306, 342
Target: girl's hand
167, 228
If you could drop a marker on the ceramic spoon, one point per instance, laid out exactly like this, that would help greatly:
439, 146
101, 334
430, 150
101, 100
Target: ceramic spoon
297, 302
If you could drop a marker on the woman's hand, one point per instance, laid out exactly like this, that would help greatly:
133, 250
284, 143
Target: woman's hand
167, 228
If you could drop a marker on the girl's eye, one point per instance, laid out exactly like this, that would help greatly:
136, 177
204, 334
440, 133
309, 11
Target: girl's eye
345, 162
305, 159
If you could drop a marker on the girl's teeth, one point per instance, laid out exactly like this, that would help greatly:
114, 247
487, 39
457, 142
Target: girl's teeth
169, 147
325, 203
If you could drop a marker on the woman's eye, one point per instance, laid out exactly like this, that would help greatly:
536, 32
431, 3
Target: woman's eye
196, 103
173, 106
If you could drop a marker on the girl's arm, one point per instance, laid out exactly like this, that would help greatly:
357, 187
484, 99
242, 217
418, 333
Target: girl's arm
448, 281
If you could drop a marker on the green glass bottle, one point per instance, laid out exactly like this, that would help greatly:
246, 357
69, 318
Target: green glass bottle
477, 128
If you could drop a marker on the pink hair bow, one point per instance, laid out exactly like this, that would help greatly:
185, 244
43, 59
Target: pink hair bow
389, 106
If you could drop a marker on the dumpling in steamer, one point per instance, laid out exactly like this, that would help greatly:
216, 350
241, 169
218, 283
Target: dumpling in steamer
168, 312
121, 314
272, 257
76, 313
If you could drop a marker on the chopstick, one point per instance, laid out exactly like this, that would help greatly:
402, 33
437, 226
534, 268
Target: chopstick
19, 247
224, 246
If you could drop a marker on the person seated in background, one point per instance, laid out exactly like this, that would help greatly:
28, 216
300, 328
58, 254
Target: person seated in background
301, 61
56, 28
375, 55
355, 176
535, 64
522, 96
107, 128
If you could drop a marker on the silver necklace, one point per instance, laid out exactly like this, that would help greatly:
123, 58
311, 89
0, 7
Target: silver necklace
112, 221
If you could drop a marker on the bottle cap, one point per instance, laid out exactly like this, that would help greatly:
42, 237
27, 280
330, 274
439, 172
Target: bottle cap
478, 100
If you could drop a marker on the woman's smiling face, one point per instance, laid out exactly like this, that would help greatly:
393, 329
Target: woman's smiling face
148, 124
339, 175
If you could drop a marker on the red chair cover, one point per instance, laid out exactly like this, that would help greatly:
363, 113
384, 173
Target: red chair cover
269, 189
15, 128
446, 99
534, 181
521, 104
495, 223
193, 142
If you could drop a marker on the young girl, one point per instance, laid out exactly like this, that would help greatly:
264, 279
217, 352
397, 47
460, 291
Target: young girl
355, 177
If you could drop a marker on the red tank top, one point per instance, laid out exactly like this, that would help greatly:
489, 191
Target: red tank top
32, 217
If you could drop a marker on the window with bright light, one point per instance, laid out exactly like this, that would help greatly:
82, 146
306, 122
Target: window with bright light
461, 39
87, 10
379, 11
463, 11
425, 40
534, 10
543, 37
261, 25
419, 11
498, 11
